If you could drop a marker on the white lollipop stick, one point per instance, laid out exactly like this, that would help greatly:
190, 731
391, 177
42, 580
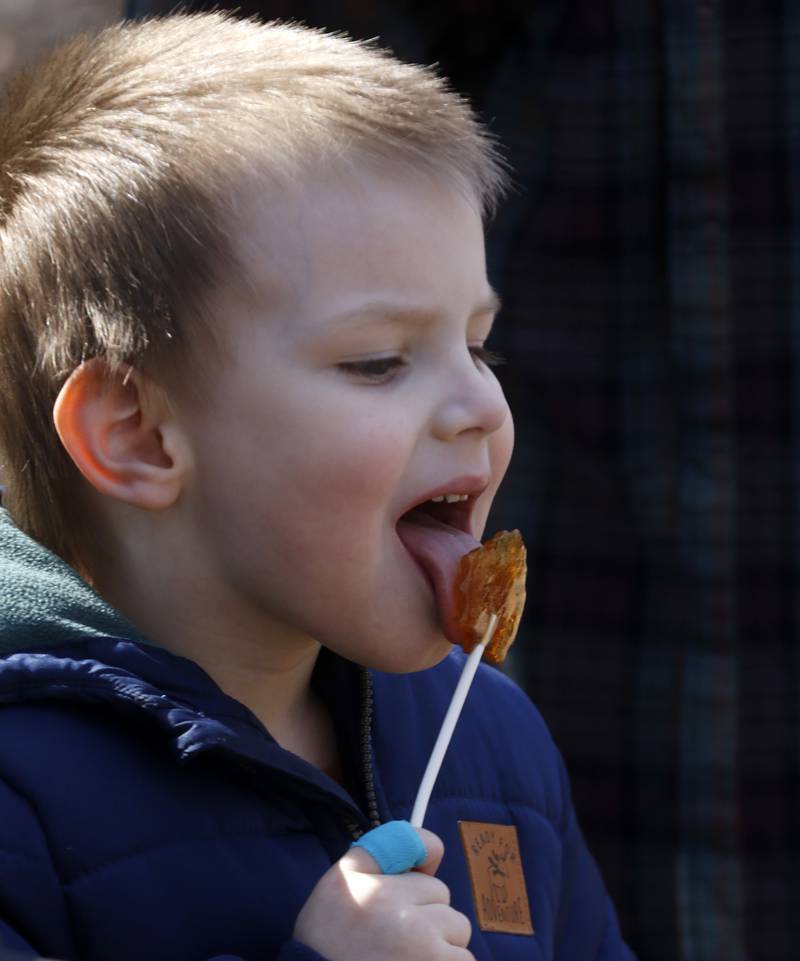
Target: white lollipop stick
449, 725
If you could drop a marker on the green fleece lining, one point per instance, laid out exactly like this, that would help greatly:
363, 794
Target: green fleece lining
43, 601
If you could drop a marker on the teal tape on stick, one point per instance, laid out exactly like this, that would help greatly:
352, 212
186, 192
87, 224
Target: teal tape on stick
396, 847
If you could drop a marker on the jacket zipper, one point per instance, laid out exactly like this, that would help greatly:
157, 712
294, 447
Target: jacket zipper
365, 744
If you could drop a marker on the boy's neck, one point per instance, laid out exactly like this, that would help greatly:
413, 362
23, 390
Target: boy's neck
286, 704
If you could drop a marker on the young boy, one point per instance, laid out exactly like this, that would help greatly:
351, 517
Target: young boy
244, 312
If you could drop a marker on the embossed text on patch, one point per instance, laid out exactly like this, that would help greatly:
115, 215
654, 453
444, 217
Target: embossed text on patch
498, 883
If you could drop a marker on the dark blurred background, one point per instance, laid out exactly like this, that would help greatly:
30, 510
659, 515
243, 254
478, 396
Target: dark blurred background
649, 263
28, 25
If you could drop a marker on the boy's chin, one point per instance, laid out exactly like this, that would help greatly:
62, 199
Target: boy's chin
404, 660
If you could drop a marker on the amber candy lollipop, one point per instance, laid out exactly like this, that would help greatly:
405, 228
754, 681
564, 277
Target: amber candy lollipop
491, 580
489, 595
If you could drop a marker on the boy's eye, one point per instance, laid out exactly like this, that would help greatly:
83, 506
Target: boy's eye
376, 370
486, 356
379, 370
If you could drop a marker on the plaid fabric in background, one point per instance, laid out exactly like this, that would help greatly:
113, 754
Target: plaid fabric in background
656, 262
652, 280
650, 268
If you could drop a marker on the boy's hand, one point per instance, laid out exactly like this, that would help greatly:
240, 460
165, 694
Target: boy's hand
355, 913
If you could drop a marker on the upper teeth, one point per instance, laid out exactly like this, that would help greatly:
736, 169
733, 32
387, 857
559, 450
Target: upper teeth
450, 498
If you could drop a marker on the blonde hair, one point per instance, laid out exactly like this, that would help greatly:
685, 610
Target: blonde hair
117, 156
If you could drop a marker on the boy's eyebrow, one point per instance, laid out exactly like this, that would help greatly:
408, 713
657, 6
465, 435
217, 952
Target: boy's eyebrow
418, 315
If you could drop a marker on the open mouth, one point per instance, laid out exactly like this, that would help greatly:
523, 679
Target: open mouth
437, 533
449, 513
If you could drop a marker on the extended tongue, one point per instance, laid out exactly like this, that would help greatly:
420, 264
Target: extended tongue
437, 548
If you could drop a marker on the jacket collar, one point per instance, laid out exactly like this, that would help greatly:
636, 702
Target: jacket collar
174, 696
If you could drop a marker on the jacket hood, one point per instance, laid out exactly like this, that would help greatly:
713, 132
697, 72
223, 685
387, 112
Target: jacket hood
44, 602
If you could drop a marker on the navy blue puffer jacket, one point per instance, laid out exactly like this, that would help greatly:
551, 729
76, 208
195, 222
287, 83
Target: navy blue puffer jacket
146, 816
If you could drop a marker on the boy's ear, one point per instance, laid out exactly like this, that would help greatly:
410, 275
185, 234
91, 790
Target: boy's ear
119, 430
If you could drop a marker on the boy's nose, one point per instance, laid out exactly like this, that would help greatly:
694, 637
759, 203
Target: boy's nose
472, 401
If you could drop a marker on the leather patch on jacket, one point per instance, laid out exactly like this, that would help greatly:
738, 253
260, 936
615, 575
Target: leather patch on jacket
495, 870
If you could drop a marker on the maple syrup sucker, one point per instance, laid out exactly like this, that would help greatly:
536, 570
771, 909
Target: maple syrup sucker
489, 596
491, 580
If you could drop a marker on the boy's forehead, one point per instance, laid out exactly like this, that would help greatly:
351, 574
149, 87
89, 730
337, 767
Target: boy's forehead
264, 206
346, 229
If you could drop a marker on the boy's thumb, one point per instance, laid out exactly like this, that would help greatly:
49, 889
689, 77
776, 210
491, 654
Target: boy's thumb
394, 848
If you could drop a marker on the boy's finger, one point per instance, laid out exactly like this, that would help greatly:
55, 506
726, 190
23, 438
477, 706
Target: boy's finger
394, 848
434, 848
